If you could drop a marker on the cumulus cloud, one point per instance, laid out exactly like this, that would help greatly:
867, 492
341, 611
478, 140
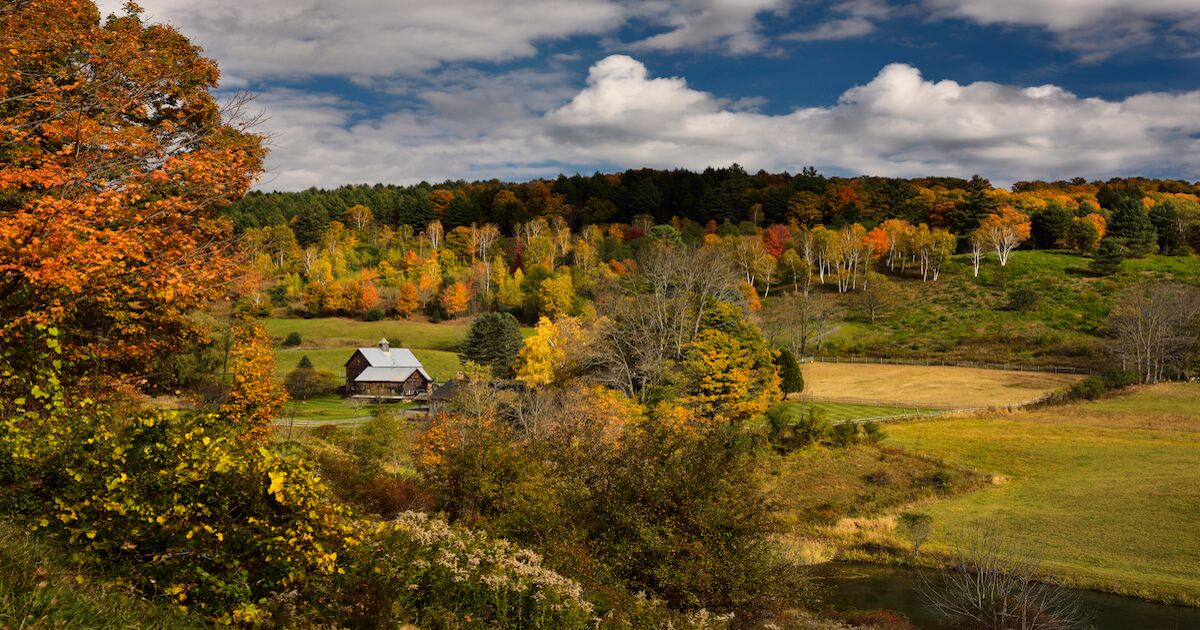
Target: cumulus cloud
1095, 28
899, 123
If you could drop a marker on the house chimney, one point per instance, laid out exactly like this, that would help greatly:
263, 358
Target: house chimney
383, 345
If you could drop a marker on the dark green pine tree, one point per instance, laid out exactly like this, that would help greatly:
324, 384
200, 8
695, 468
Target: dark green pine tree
789, 372
305, 363
967, 215
1131, 225
1165, 219
1050, 226
1108, 257
494, 340
310, 224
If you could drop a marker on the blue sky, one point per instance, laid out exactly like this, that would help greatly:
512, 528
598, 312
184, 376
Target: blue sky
401, 91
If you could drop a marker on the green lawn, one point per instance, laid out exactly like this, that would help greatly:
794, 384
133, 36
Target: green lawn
837, 412
1106, 492
340, 332
331, 409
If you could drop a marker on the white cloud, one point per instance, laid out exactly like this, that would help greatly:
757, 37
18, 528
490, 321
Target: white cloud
287, 38
263, 39
845, 28
1063, 15
859, 21
729, 25
897, 124
1095, 28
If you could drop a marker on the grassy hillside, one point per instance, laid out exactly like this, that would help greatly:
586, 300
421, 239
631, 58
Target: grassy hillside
341, 332
1105, 491
974, 319
39, 588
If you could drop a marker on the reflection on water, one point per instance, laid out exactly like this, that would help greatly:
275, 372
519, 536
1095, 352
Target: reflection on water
864, 587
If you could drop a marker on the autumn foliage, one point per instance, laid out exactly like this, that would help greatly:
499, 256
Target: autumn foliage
254, 398
114, 155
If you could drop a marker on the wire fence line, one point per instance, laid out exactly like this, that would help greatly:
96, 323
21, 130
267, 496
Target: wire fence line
919, 410
900, 417
872, 402
1012, 367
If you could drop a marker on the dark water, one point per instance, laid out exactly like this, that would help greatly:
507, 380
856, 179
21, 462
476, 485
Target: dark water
864, 587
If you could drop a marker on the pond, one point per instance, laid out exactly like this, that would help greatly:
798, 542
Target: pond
864, 587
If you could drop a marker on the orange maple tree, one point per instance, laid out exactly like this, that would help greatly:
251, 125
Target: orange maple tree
114, 155
456, 298
407, 301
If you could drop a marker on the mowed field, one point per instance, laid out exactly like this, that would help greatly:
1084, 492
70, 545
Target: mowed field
1106, 492
936, 386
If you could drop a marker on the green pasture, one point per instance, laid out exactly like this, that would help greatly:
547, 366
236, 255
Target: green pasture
1106, 493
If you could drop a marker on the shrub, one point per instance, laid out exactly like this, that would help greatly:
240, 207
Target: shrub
917, 526
374, 315
942, 480
793, 431
844, 434
880, 477
1089, 388
292, 340
873, 432
988, 583
1096, 385
681, 517
422, 570
1024, 299
180, 506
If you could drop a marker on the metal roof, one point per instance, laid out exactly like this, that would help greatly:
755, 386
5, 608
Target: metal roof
396, 357
388, 374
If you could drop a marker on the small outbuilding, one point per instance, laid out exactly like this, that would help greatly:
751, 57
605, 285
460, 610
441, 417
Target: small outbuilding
387, 373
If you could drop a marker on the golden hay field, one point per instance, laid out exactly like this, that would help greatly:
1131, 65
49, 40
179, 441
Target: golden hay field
930, 385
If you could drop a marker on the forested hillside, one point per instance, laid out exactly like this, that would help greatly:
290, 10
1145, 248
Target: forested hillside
885, 267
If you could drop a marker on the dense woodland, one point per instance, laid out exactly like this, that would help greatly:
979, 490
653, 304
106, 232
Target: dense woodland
606, 471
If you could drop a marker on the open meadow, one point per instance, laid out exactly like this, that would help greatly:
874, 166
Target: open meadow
1105, 492
932, 386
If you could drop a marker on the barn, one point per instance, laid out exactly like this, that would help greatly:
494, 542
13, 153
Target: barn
386, 372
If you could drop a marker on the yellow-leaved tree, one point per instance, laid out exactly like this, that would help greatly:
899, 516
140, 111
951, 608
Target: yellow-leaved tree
254, 399
549, 355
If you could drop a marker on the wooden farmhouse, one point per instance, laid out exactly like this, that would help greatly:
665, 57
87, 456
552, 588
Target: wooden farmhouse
387, 373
